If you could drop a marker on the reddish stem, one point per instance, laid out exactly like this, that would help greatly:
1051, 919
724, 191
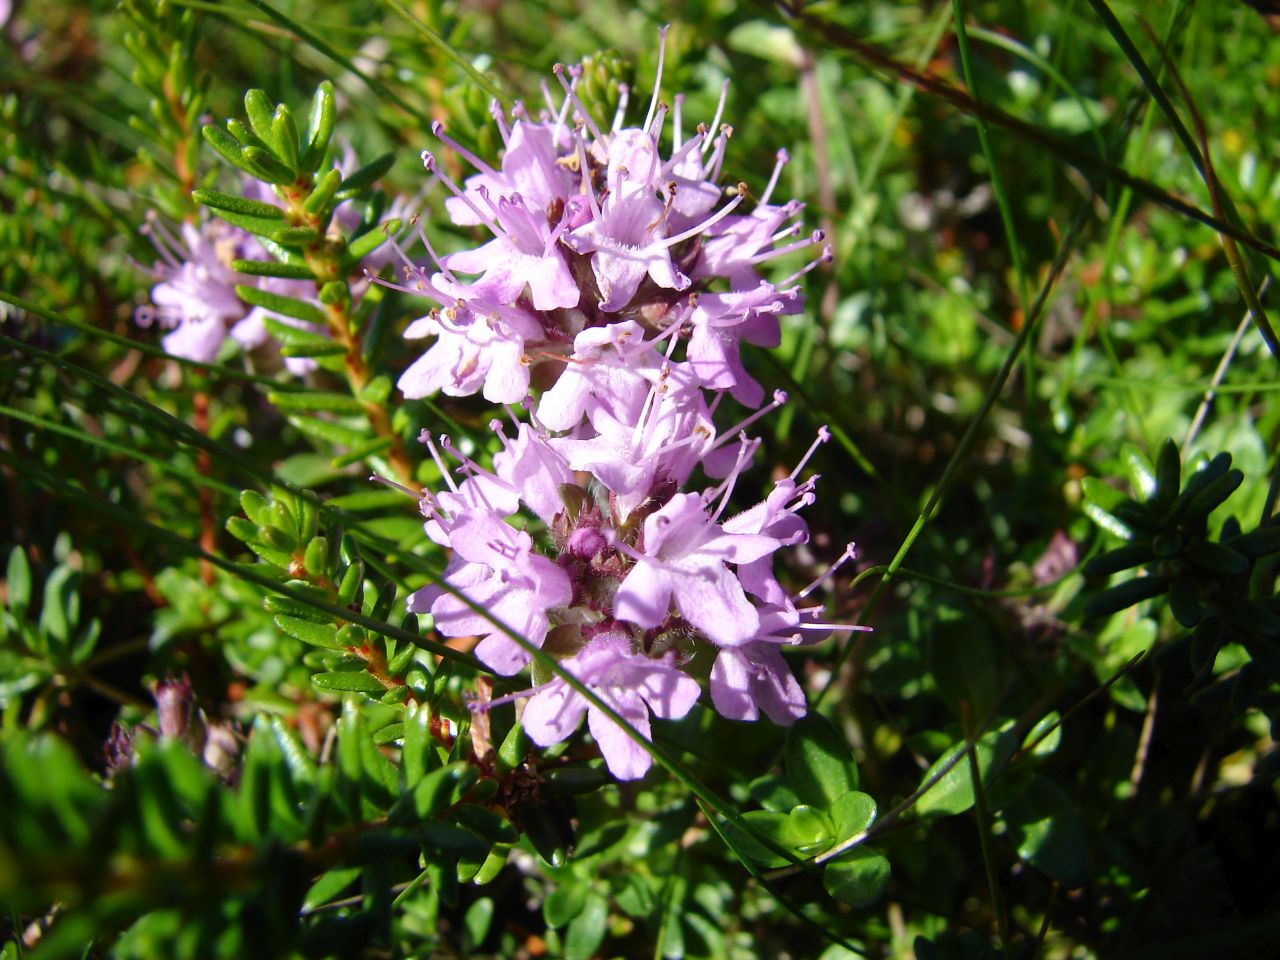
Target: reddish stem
204, 466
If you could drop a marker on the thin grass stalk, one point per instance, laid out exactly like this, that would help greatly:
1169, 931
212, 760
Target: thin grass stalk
439, 42
983, 817
989, 153
345, 62
877, 59
1223, 207
971, 432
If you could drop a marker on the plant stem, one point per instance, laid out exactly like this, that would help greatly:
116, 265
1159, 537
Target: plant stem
988, 152
358, 377
988, 856
204, 465
324, 257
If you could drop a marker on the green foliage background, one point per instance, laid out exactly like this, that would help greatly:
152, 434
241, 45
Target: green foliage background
1049, 231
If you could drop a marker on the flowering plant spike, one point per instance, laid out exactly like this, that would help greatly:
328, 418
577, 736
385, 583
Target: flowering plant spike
622, 275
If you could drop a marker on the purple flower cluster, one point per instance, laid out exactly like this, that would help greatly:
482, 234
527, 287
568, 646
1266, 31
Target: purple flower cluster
620, 280
195, 299
195, 294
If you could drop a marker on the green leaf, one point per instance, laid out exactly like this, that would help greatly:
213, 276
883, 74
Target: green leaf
273, 556
317, 634
1256, 543
550, 833
365, 177
484, 822
348, 682
1125, 595
246, 136
389, 734
1043, 748
1122, 558
773, 793
770, 825
328, 431
1184, 601
291, 335
477, 920
296, 236
285, 306
350, 584
1256, 618
1048, 832
442, 788
369, 241
418, 751
1105, 496
293, 608
565, 902
513, 749
1216, 557
377, 390
635, 897
586, 931
379, 498
321, 200
809, 831
493, 864
599, 839
1107, 521
381, 607
258, 782
257, 107
1142, 478
953, 793
242, 205
284, 136
574, 780
227, 146
158, 811
256, 225
314, 402
457, 842
330, 885
85, 641
18, 582
269, 168
315, 559
302, 768
1168, 473
254, 505
273, 268
768, 41
1208, 474
1073, 116
336, 293
60, 613
363, 452
857, 877
1212, 496
323, 115
819, 764
851, 814
318, 349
